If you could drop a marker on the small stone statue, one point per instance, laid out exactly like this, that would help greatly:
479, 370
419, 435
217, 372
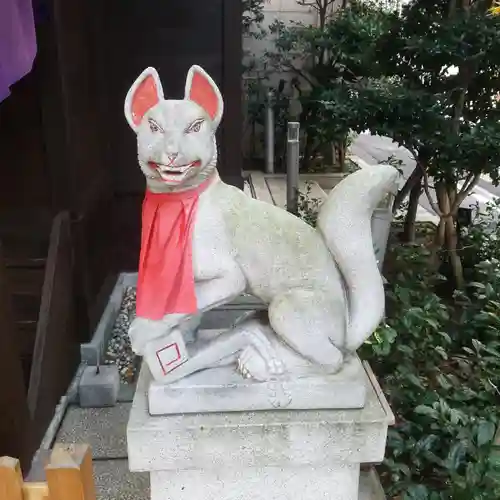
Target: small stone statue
204, 243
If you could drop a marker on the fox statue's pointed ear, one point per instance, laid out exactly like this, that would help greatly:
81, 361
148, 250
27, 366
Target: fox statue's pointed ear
202, 90
145, 92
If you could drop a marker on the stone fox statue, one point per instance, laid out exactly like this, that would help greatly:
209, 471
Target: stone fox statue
204, 243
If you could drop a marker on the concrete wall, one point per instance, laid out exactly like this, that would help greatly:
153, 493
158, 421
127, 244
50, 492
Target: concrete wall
290, 11
287, 11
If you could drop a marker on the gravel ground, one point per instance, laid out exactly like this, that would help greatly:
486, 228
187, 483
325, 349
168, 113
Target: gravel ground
119, 351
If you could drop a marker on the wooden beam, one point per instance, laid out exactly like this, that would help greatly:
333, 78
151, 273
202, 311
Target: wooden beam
15, 421
56, 354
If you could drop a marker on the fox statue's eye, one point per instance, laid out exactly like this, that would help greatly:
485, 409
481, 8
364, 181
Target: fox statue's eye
154, 126
195, 127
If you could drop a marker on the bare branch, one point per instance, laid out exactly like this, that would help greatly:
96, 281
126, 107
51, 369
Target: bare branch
466, 190
412, 151
300, 73
433, 204
467, 181
316, 4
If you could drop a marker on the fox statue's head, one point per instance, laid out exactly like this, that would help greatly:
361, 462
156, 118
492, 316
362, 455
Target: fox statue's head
175, 138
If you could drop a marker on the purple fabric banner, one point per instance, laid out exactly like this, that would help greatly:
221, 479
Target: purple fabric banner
17, 42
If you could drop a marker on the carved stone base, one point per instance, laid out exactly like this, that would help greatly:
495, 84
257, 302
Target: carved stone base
337, 481
263, 455
224, 390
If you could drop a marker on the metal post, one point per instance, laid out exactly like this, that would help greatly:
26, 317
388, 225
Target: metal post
269, 134
292, 167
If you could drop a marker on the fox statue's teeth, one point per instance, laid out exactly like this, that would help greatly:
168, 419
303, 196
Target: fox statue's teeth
174, 169
170, 176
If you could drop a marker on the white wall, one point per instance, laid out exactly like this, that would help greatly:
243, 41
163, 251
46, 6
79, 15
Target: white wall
288, 11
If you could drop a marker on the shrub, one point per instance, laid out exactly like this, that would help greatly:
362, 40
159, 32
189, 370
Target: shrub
439, 365
438, 361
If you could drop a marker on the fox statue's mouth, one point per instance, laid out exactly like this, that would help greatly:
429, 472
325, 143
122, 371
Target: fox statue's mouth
172, 173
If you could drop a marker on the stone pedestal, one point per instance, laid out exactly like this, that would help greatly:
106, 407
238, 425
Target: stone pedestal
224, 390
271, 455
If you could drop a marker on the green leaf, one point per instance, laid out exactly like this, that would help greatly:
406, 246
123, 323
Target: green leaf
455, 456
433, 323
485, 432
443, 381
494, 460
414, 379
441, 352
473, 474
477, 345
427, 442
427, 410
477, 285
416, 492
446, 337
456, 416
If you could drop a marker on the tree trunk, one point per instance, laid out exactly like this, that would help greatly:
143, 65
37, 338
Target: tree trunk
322, 12
451, 247
409, 232
452, 238
440, 236
341, 150
415, 177
328, 153
307, 153
446, 235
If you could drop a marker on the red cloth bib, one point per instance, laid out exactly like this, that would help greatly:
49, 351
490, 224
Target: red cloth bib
166, 282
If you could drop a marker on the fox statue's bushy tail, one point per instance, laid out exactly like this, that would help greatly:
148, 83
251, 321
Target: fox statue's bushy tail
345, 223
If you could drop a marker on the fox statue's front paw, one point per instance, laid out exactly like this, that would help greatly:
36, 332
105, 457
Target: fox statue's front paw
142, 331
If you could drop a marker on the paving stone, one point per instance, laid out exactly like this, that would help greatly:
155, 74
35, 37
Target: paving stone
114, 481
104, 429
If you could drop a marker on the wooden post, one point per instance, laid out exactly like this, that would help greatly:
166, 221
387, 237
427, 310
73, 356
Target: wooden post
69, 473
11, 479
69, 477
12, 486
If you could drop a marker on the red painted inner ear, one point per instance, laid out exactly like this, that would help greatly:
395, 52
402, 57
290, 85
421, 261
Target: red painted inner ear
145, 97
202, 93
